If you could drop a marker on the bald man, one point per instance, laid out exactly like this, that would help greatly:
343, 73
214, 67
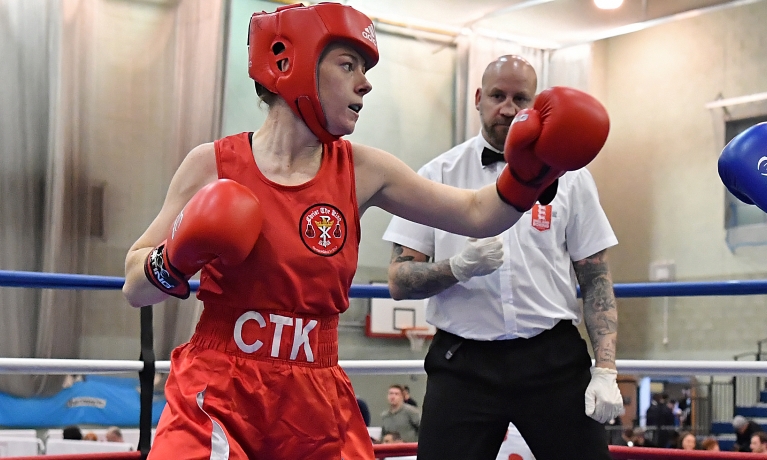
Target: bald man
507, 348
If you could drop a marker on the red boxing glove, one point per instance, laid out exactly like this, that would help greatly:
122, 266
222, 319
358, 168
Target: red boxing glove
221, 221
564, 131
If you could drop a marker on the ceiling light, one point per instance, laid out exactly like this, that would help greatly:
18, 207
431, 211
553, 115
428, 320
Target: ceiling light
608, 4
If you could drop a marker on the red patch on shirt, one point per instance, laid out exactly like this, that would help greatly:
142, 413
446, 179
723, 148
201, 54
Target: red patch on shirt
541, 217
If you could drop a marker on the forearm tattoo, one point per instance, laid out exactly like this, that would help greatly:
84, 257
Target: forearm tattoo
600, 313
417, 279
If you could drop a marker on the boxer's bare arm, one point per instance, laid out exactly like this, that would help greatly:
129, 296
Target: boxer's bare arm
600, 313
197, 170
385, 181
412, 276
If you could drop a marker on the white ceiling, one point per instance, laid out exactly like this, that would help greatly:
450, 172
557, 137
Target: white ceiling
539, 23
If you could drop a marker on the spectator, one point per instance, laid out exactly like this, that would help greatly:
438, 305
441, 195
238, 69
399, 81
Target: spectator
614, 432
90, 436
114, 434
640, 438
661, 419
710, 443
744, 430
759, 442
400, 417
674, 439
406, 395
687, 441
626, 438
394, 438
685, 408
364, 410
391, 437
72, 432
673, 404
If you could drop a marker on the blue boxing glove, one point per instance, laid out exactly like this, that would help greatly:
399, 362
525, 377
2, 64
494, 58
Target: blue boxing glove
743, 166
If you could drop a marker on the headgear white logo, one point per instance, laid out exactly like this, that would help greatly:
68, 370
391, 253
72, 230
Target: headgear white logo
370, 34
760, 166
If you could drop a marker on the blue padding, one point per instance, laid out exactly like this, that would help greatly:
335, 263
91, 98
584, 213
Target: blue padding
98, 400
763, 396
722, 428
726, 445
752, 411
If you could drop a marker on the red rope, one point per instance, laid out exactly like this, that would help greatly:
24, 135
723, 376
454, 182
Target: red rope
395, 450
98, 456
617, 452
648, 453
403, 449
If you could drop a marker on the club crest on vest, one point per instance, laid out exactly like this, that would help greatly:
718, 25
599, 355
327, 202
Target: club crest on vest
323, 229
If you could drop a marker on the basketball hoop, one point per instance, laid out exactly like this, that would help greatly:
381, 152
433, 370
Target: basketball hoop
416, 336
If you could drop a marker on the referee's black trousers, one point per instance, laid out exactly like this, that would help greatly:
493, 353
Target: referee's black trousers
475, 388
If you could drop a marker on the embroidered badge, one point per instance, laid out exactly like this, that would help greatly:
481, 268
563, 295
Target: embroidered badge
323, 229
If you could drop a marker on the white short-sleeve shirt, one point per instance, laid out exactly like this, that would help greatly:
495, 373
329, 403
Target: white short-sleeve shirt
536, 285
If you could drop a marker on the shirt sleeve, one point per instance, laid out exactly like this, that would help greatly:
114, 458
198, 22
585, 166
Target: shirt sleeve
588, 230
411, 234
415, 419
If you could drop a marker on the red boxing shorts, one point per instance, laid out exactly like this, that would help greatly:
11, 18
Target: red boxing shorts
260, 385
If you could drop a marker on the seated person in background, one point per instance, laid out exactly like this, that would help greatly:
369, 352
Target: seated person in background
90, 436
114, 434
710, 443
640, 438
394, 438
744, 430
626, 438
72, 432
391, 437
687, 441
759, 443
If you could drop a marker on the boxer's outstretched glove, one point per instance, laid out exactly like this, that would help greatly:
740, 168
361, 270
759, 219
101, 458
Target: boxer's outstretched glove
479, 257
221, 221
743, 166
603, 398
564, 131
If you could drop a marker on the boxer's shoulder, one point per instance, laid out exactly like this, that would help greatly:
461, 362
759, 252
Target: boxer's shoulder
196, 171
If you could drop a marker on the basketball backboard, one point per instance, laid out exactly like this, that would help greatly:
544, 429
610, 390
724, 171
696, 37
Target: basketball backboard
388, 318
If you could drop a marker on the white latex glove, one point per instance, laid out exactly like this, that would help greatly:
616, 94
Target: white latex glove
479, 257
603, 398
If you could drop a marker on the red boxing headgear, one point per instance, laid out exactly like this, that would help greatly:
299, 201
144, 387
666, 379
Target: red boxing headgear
293, 38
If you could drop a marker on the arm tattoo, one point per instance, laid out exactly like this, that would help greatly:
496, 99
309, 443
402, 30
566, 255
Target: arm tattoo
419, 280
600, 312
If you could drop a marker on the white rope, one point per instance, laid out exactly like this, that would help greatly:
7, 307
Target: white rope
370, 367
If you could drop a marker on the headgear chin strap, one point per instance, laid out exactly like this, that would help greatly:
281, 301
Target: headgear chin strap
293, 38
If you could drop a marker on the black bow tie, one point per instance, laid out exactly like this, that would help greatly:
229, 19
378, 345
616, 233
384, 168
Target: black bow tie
490, 156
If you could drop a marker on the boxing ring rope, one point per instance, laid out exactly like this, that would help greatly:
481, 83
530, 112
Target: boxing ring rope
99, 456
148, 365
404, 449
39, 280
649, 453
42, 366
